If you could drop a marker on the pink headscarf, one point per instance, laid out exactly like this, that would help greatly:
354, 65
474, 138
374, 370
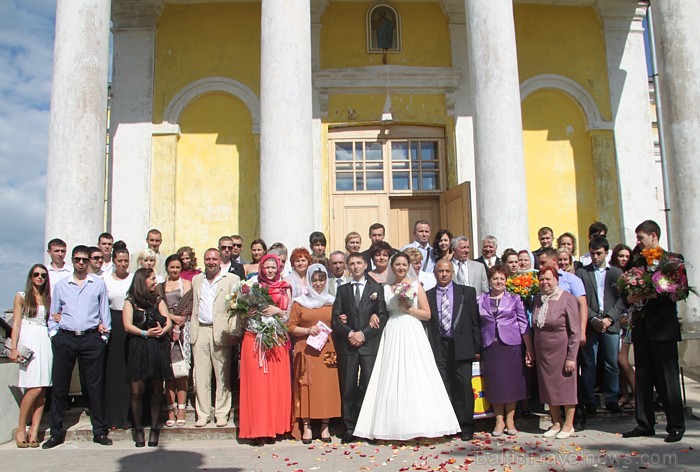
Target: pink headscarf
277, 288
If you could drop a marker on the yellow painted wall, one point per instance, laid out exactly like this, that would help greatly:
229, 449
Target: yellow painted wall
567, 41
217, 173
559, 167
425, 36
205, 40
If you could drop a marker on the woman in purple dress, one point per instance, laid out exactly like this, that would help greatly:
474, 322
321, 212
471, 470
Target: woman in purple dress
557, 327
504, 329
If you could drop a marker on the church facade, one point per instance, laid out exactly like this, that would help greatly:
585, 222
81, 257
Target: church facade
276, 118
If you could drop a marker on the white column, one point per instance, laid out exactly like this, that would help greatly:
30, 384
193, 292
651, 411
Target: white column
638, 172
131, 130
75, 178
287, 198
318, 7
498, 125
677, 37
463, 106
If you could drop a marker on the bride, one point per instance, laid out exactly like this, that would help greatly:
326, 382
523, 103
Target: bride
405, 397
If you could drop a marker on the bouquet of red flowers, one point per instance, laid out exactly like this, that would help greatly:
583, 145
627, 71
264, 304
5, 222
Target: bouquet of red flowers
637, 281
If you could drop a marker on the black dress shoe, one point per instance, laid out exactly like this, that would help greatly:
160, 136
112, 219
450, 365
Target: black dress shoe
466, 435
614, 408
139, 440
673, 436
347, 437
102, 439
638, 432
153, 437
52, 442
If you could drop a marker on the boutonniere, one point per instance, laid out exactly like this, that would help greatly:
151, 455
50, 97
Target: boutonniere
373, 297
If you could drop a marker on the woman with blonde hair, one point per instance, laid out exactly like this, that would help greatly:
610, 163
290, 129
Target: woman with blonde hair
147, 259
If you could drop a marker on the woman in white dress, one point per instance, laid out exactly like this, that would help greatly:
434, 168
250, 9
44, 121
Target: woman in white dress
406, 397
29, 331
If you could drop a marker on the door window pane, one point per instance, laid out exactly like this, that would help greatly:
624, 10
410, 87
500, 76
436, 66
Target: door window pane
375, 181
343, 182
373, 151
399, 151
401, 181
343, 151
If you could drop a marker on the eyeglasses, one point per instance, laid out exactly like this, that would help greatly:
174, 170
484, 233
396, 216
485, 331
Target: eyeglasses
43, 275
82, 260
226, 247
237, 244
97, 258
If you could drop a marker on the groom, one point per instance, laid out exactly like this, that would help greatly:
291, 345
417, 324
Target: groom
454, 334
356, 342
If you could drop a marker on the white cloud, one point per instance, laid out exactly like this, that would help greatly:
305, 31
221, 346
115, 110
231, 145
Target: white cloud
26, 56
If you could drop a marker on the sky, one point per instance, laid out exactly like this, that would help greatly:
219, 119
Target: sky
26, 58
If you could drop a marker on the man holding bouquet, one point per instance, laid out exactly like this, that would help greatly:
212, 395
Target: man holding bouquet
655, 336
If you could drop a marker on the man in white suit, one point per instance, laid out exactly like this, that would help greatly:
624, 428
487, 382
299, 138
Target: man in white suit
212, 333
467, 272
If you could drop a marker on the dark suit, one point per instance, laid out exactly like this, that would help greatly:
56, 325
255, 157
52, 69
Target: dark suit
655, 339
454, 356
613, 307
486, 266
353, 360
237, 268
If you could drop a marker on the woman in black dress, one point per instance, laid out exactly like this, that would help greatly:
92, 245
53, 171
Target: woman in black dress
146, 321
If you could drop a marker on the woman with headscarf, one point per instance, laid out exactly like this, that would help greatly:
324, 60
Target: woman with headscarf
315, 388
265, 393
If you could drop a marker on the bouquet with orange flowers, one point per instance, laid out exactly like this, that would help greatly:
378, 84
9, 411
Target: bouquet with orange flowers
657, 272
525, 285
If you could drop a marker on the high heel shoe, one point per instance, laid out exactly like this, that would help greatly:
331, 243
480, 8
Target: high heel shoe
307, 429
139, 440
172, 413
153, 437
181, 407
324, 427
21, 444
551, 432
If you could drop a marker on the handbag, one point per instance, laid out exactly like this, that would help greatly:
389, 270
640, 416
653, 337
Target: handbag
25, 354
180, 367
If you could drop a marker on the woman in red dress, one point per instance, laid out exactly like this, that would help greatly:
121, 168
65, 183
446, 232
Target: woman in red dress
266, 386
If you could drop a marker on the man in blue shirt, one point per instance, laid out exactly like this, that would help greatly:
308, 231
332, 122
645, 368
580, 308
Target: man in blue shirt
79, 324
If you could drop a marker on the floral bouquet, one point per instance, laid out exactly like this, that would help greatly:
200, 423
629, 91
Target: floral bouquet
637, 281
406, 292
658, 272
247, 301
525, 285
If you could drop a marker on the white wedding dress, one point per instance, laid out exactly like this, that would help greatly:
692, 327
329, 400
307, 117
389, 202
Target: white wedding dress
406, 397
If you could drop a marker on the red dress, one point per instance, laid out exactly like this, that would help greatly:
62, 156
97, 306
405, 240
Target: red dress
266, 398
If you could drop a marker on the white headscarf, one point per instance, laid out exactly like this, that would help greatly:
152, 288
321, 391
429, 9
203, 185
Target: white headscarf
314, 299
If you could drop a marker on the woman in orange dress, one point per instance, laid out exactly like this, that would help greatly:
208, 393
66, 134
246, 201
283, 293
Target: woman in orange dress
316, 391
265, 393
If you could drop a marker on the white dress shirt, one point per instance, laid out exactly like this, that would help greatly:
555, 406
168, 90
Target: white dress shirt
206, 299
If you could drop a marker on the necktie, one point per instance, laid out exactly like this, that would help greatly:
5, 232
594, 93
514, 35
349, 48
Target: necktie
445, 313
358, 294
337, 282
460, 273
489, 263
427, 258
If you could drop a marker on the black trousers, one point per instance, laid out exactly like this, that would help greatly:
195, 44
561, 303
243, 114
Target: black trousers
457, 376
89, 350
352, 392
656, 365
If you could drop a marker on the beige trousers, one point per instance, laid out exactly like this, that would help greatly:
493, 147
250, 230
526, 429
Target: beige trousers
208, 355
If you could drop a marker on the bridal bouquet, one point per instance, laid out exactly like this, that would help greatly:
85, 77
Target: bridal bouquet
247, 301
405, 292
657, 272
525, 285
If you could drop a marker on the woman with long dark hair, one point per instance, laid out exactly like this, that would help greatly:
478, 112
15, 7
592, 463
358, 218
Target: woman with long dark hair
441, 245
258, 249
147, 321
29, 333
177, 293
116, 400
